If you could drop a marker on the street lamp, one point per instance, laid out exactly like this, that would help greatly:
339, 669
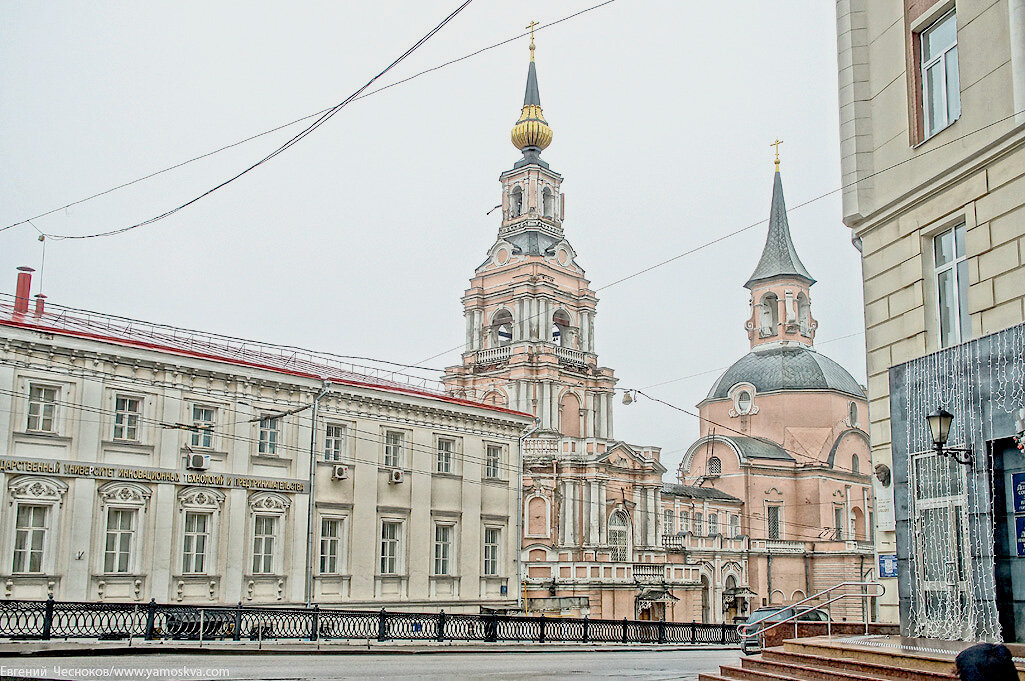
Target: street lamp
939, 427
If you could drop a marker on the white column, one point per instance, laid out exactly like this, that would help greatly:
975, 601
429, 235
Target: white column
652, 517
593, 512
608, 415
571, 514
469, 330
602, 503
639, 516
590, 332
563, 503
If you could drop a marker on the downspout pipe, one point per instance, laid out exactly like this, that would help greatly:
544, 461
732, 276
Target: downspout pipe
520, 602
313, 481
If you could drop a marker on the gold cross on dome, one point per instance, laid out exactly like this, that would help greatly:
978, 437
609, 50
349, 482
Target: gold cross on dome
531, 26
776, 144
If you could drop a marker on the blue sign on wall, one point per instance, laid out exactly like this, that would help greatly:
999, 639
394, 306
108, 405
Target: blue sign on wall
888, 564
1018, 490
1019, 534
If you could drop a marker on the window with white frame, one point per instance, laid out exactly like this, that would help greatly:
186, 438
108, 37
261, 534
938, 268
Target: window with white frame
667, 521
734, 525
838, 523
42, 408
270, 434
203, 420
774, 521
127, 413
492, 550
619, 536
493, 461
29, 538
684, 521
120, 540
331, 543
713, 523
335, 435
941, 89
391, 538
951, 268
444, 460
394, 448
264, 543
699, 524
443, 537
195, 542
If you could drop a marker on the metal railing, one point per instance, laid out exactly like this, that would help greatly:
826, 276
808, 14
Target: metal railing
752, 629
50, 619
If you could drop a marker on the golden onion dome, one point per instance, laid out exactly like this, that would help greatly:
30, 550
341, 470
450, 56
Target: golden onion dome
531, 130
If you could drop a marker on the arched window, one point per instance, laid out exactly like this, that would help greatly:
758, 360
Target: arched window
560, 328
569, 415
515, 202
769, 315
855, 464
619, 536
852, 414
859, 524
804, 314
714, 467
548, 203
502, 329
537, 517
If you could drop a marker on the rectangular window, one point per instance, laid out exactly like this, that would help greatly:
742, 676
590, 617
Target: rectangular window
838, 515
335, 442
391, 534
941, 89
734, 526
196, 540
667, 522
263, 544
445, 447
442, 549
203, 420
684, 521
774, 522
951, 267
330, 541
493, 461
713, 523
42, 409
29, 539
117, 554
127, 412
699, 524
394, 442
492, 545
270, 433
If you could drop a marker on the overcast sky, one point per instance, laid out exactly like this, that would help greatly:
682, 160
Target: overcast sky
361, 239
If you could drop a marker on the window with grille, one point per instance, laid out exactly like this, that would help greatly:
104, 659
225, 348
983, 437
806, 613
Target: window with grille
29, 539
42, 409
493, 462
264, 541
120, 540
196, 538
270, 434
619, 538
127, 412
334, 442
445, 447
330, 543
203, 420
443, 549
394, 442
391, 533
714, 467
492, 546
774, 522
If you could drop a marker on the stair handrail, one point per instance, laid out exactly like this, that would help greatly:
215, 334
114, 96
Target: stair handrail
744, 629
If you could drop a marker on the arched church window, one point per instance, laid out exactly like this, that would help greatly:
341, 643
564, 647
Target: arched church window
714, 467
804, 314
548, 203
855, 464
852, 414
769, 314
619, 536
560, 328
515, 202
502, 326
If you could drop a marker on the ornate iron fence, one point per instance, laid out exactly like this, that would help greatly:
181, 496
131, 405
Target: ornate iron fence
50, 619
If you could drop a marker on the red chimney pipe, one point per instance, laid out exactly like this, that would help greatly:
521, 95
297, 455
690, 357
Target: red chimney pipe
24, 289
40, 304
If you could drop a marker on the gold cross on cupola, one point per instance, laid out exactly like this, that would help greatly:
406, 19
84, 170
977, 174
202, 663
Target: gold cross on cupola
776, 145
531, 26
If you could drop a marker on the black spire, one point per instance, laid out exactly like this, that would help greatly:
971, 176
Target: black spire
779, 258
532, 96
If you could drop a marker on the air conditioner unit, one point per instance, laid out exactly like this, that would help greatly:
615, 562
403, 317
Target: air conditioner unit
197, 462
340, 472
397, 476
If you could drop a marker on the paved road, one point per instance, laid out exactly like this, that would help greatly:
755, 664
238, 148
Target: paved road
675, 665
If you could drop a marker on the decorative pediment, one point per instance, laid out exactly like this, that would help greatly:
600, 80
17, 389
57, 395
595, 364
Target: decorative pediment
28, 487
199, 497
269, 501
124, 493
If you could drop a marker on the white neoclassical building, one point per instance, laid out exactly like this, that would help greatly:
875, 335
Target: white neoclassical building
142, 461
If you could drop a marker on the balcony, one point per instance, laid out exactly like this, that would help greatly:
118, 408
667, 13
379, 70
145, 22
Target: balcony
570, 356
540, 447
680, 543
494, 355
649, 570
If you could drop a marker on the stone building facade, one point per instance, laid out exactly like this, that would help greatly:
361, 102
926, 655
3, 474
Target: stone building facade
142, 461
932, 124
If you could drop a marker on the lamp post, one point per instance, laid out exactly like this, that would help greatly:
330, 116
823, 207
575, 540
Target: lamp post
939, 427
